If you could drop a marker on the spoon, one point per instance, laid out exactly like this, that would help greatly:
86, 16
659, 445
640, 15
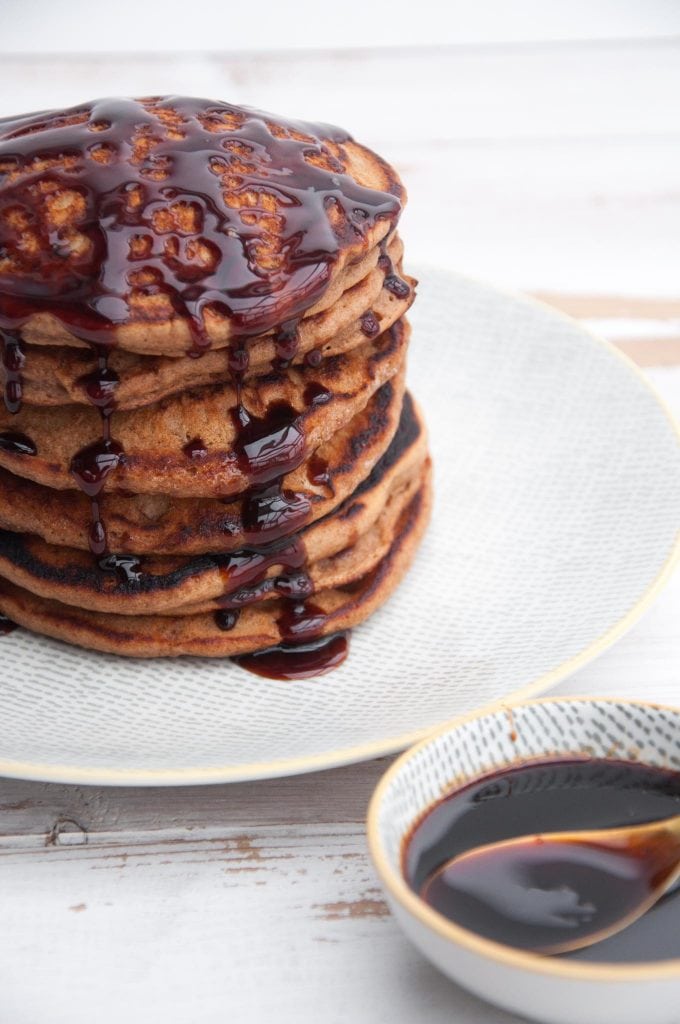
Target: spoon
560, 891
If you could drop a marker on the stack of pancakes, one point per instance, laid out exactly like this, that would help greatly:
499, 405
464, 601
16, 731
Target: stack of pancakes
206, 446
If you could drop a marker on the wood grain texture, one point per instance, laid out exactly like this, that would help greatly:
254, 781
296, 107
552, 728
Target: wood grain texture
34, 814
136, 28
282, 925
651, 351
551, 167
588, 307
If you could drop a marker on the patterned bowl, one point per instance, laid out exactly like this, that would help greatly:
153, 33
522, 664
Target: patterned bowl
543, 988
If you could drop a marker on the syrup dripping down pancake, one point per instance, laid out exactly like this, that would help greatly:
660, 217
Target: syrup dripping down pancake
380, 436
331, 553
58, 376
160, 524
317, 401
258, 626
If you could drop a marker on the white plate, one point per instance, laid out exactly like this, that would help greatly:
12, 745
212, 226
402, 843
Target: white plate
557, 483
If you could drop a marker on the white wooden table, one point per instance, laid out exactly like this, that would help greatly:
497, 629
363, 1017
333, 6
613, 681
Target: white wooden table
550, 167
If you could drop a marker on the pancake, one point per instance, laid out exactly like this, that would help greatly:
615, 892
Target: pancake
168, 223
309, 404
327, 554
59, 376
372, 443
258, 626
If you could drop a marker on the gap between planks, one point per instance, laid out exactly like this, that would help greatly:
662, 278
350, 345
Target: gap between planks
35, 815
644, 349
585, 307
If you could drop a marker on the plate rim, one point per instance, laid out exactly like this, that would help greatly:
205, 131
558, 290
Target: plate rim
258, 770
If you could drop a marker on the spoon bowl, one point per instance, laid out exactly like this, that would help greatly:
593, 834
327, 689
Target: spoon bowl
561, 891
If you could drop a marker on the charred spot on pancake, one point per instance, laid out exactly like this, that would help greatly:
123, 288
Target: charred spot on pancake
407, 434
75, 570
351, 510
388, 342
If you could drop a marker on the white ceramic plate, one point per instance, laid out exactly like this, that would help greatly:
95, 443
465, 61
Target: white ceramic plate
557, 483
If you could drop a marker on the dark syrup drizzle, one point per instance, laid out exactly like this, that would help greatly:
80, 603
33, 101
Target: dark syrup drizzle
16, 443
128, 568
269, 447
13, 361
195, 449
394, 284
226, 620
318, 473
314, 358
316, 394
91, 466
369, 323
298, 661
286, 342
100, 384
244, 572
189, 164
211, 147
6, 625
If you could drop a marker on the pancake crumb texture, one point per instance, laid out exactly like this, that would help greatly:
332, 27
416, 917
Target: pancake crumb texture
207, 447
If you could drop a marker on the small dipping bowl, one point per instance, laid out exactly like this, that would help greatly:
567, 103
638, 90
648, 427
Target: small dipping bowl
543, 988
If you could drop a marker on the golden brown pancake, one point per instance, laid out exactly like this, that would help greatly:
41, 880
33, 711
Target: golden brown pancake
192, 221
318, 401
257, 626
332, 551
160, 524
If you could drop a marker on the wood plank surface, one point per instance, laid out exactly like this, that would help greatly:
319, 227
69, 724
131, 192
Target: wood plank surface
550, 166
35, 814
40, 27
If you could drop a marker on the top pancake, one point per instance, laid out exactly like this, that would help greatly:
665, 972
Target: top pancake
168, 223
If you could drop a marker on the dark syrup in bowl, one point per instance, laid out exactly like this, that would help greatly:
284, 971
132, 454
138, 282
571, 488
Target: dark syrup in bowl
540, 893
